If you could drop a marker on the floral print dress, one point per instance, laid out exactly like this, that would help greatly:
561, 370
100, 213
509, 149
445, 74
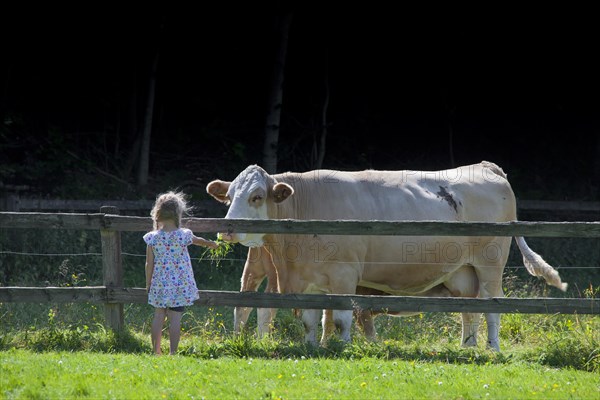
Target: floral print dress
173, 283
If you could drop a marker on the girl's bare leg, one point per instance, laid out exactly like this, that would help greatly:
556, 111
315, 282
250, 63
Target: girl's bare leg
174, 330
157, 325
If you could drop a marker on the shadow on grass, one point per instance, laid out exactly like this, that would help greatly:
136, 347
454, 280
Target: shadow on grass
75, 339
567, 353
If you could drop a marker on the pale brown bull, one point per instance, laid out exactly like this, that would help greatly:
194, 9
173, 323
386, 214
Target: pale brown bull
397, 265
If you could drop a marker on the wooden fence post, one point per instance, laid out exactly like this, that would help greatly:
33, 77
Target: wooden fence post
9, 202
112, 270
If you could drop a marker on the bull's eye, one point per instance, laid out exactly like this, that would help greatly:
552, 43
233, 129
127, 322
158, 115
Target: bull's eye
256, 199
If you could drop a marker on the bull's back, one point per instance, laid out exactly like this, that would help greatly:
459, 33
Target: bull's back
476, 192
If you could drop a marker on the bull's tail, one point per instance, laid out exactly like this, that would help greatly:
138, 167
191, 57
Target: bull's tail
536, 265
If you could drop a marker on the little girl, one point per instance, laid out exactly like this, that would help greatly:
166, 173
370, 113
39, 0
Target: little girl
169, 276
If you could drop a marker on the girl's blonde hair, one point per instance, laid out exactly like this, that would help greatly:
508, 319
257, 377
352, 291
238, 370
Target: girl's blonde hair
169, 206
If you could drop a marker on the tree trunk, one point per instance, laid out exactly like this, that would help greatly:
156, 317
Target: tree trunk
323, 139
450, 111
596, 167
144, 161
276, 97
4, 99
133, 129
117, 144
451, 143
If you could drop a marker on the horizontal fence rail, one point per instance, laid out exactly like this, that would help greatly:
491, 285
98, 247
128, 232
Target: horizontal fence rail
212, 298
287, 226
554, 206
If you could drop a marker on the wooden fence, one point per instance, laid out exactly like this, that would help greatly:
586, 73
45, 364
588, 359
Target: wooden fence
114, 295
13, 202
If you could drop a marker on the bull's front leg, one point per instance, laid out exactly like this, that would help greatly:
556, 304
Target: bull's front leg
258, 267
240, 317
265, 317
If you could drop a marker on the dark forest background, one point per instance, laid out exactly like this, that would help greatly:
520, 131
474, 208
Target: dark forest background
395, 88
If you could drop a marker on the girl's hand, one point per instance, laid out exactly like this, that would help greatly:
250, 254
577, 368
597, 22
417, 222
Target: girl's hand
218, 250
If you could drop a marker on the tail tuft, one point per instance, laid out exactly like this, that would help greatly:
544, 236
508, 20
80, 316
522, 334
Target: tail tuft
536, 265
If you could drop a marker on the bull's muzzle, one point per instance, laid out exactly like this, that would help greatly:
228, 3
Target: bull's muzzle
229, 237
248, 240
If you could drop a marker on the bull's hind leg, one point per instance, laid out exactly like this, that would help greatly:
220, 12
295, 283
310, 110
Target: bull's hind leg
465, 283
470, 327
328, 326
336, 321
493, 288
489, 271
365, 320
493, 319
343, 322
310, 319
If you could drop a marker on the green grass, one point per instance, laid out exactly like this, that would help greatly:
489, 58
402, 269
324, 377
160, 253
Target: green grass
65, 375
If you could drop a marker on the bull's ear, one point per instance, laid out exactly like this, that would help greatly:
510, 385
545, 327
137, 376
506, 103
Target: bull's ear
218, 190
282, 191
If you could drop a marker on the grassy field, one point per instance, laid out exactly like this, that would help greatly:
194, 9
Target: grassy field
66, 375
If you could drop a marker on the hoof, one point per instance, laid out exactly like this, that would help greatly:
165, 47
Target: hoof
493, 345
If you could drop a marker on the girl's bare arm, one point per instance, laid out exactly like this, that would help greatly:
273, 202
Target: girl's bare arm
149, 266
204, 242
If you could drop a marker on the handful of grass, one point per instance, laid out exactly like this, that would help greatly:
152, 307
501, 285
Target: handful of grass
218, 254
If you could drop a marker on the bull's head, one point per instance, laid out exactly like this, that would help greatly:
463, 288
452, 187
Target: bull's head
250, 196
